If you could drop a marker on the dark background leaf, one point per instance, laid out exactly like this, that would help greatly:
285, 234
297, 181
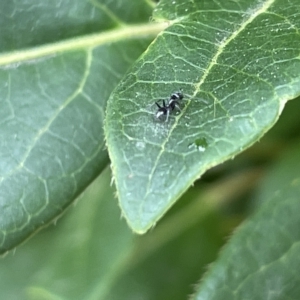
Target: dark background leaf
77, 258
262, 258
52, 106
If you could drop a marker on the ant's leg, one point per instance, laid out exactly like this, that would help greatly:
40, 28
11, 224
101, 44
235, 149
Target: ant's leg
168, 112
157, 105
177, 105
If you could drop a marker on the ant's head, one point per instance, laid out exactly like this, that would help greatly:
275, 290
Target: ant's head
177, 95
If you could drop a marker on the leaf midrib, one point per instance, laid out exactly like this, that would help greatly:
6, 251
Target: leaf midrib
255, 12
83, 42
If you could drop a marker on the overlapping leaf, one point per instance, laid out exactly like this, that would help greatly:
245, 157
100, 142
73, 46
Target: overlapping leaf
53, 99
261, 261
237, 63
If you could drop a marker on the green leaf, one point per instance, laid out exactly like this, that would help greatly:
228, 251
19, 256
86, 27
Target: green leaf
169, 272
59, 63
282, 173
79, 258
91, 254
261, 261
237, 63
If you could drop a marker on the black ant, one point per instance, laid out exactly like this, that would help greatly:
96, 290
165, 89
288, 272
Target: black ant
173, 103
